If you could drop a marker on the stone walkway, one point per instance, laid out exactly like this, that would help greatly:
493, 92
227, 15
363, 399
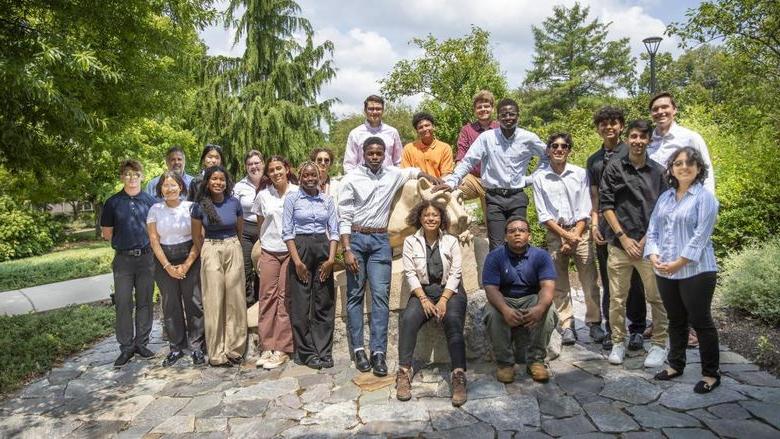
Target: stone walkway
586, 398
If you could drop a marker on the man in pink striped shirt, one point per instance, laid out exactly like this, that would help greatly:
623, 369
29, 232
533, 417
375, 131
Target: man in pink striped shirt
373, 107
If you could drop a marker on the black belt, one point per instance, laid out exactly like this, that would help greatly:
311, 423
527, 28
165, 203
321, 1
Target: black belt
502, 191
134, 252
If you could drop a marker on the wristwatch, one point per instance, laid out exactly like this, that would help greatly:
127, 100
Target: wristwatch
619, 234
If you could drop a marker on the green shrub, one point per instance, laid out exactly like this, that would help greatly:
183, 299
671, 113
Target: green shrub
83, 260
26, 232
750, 281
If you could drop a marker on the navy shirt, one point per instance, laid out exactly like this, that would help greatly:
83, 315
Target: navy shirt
127, 215
229, 210
517, 275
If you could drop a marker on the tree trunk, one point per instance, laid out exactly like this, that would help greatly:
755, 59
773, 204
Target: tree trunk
98, 211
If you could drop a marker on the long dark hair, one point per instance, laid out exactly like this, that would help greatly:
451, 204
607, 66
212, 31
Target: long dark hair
211, 147
204, 194
291, 178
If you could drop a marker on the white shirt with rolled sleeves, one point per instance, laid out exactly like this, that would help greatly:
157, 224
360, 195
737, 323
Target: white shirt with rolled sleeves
415, 260
365, 197
662, 147
504, 161
270, 205
353, 154
245, 191
563, 198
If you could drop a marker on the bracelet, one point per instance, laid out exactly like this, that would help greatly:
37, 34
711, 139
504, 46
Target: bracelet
165, 267
445, 297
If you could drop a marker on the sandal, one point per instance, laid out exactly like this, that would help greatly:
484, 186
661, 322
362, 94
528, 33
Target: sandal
664, 375
703, 387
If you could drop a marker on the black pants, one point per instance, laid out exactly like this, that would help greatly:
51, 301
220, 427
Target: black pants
181, 300
133, 274
413, 318
312, 305
499, 209
687, 302
636, 309
248, 239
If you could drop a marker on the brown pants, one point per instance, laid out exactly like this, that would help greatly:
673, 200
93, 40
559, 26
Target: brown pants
585, 260
274, 320
471, 188
224, 299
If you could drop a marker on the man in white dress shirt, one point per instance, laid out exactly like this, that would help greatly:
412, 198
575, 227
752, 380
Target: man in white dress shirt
374, 108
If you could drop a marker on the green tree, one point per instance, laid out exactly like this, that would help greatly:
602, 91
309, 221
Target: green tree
574, 60
448, 74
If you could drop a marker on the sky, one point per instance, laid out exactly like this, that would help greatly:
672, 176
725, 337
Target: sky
370, 37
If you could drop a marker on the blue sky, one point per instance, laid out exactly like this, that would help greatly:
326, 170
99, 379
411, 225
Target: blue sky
370, 37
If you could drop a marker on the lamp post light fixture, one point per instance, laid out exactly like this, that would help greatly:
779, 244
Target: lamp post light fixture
651, 44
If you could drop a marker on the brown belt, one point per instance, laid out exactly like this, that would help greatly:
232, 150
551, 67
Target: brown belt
368, 230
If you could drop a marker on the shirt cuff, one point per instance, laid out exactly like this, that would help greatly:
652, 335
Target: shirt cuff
345, 229
692, 252
650, 249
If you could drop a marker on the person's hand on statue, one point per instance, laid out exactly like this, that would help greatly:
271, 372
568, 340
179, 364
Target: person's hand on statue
434, 180
441, 187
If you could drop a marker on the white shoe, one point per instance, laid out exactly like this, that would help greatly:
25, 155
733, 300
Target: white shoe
263, 358
655, 356
277, 359
618, 353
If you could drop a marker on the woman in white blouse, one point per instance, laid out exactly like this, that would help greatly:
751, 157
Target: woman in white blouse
246, 191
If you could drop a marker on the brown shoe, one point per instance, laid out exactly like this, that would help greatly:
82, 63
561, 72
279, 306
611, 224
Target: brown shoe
458, 388
538, 372
505, 374
403, 384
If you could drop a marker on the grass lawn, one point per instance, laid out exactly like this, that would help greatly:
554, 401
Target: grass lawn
31, 344
82, 259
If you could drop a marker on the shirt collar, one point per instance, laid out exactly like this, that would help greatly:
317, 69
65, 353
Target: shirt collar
695, 188
423, 147
476, 126
374, 129
512, 254
627, 161
305, 195
275, 193
369, 173
673, 128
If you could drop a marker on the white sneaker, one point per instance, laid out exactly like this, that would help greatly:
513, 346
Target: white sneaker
618, 353
655, 356
277, 359
263, 358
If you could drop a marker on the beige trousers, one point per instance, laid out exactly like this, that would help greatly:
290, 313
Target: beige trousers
619, 268
471, 188
224, 299
584, 257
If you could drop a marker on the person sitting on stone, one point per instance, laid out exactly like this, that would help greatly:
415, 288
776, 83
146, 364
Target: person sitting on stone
432, 267
519, 282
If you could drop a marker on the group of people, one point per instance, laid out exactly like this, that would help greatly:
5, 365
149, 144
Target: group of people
647, 205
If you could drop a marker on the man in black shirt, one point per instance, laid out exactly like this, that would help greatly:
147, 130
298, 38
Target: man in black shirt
609, 122
629, 190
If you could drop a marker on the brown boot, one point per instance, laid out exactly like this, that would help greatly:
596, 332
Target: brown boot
403, 384
458, 388
505, 374
538, 372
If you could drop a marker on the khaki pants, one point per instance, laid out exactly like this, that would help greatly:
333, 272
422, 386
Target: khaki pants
620, 266
585, 260
224, 299
509, 343
471, 188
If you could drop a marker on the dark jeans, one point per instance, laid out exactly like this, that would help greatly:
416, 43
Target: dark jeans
687, 302
413, 318
181, 300
312, 304
636, 309
499, 209
248, 239
133, 274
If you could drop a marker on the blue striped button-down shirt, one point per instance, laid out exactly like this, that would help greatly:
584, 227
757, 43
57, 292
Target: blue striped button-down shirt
684, 228
306, 214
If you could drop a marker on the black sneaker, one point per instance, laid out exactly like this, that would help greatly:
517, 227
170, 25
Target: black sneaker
596, 333
327, 362
198, 358
607, 343
123, 358
144, 352
636, 342
172, 358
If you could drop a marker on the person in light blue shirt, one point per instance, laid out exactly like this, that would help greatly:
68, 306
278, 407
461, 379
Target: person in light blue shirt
175, 161
679, 246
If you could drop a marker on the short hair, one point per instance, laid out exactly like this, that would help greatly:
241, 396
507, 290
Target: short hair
277, 158
176, 177
373, 98
693, 154
663, 94
316, 151
608, 113
173, 149
566, 137
516, 218
643, 126
253, 153
421, 116
414, 218
132, 164
507, 101
374, 140
211, 147
483, 96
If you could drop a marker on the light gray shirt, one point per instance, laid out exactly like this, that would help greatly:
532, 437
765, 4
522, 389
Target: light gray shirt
563, 198
245, 191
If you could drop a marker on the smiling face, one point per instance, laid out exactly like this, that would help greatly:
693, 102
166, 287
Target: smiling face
277, 172
558, 151
170, 189
685, 169
374, 111
373, 156
663, 111
175, 162
254, 167
212, 158
430, 217
609, 130
323, 162
217, 183
310, 179
131, 180
425, 130
483, 110
637, 142
507, 117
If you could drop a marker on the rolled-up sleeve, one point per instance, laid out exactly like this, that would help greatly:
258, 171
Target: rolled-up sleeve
288, 225
454, 276
707, 211
656, 222
346, 207
607, 188
407, 257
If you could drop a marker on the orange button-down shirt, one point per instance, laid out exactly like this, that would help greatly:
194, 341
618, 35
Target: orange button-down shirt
435, 159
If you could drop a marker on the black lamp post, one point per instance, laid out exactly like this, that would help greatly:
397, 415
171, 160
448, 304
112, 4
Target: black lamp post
651, 44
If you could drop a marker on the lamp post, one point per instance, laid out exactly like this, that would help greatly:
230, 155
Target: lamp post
651, 44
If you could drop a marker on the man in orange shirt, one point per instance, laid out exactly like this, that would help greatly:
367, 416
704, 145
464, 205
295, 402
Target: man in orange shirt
427, 153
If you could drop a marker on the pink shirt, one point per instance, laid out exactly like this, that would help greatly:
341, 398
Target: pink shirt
353, 154
468, 134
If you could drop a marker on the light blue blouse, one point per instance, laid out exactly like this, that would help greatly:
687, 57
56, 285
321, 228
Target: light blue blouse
305, 214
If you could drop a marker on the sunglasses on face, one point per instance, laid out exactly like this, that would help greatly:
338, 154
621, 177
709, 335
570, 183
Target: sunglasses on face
323, 160
559, 145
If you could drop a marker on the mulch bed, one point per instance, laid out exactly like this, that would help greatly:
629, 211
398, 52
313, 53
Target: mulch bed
750, 337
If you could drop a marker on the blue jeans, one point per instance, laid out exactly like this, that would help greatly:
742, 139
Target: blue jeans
374, 257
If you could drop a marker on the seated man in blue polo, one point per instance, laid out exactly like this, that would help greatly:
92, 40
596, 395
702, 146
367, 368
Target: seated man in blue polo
519, 283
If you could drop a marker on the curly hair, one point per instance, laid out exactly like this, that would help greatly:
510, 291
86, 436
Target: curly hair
204, 194
414, 218
608, 113
693, 155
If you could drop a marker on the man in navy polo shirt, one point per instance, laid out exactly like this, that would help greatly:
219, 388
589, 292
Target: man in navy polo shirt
519, 283
123, 221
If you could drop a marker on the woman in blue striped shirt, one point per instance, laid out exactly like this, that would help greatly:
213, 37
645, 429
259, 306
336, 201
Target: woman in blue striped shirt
680, 248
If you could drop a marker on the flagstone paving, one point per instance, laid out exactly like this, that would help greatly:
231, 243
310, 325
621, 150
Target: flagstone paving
586, 398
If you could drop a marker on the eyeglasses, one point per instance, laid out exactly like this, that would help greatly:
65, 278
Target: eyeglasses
513, 230
559, 145
132, 175
687, 162
508, 114
171, 186
323, 160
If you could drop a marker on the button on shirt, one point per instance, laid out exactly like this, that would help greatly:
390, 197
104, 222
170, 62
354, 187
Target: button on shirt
173, 224
684, 228
518, 275
308, 214
270, 205
366, 197
246, 193
434, 159
662, 147
151, 187
563, 198
504, 161
353, 155
127, 215
468, 134
596, 164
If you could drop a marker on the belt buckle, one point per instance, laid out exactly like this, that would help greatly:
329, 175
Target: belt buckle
136, 252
